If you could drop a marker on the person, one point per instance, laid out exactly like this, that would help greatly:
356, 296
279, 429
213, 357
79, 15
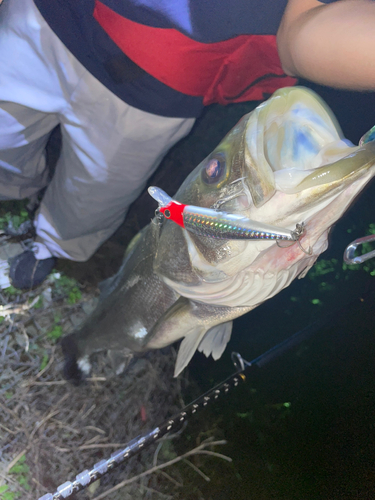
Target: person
126, 79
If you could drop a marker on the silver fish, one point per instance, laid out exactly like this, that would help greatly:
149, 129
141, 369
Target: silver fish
284, 164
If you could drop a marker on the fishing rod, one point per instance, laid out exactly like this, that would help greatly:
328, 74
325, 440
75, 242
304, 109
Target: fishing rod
87, 477
243, 369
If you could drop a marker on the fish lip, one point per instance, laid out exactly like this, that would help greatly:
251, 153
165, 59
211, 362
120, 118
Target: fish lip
294, 126
344, 169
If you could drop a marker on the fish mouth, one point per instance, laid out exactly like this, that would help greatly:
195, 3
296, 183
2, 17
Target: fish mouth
293, 143
345, 168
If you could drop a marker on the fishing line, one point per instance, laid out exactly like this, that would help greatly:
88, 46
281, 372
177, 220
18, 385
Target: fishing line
244, 368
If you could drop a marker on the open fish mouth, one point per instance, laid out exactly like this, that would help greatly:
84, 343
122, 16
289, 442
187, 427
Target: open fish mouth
293, 142
358, 159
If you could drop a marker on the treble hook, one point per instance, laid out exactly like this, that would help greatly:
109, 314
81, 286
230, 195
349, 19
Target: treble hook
158, 218
297, 234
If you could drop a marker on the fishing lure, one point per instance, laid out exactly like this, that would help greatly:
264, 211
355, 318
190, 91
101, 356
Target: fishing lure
222, 225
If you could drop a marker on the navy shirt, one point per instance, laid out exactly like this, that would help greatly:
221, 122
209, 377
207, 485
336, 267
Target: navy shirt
206, 21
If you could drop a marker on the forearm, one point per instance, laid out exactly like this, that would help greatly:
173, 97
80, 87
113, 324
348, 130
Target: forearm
330, 44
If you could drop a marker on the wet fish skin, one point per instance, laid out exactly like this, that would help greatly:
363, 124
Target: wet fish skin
282, 164
134, 292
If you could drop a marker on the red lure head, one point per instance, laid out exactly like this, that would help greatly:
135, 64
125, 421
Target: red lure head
174, 211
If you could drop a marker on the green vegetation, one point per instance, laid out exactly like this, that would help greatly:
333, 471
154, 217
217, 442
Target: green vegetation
336, 267
56, 331
330, 275
282, 411
11, 291
11, 219
316, 302
39, 304
20, 476
5, 494
44, 361
67, 287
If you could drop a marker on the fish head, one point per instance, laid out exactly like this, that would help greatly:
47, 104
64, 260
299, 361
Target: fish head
284, 164
301, 168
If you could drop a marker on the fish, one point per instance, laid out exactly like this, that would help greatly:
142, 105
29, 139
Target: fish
285, 165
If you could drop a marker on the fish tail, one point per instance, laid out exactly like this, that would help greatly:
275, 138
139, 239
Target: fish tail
71, 371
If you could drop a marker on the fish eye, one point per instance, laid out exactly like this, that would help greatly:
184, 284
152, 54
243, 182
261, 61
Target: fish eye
214, 169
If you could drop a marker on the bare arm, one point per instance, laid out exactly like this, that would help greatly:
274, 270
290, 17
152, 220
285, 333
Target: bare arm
332, 44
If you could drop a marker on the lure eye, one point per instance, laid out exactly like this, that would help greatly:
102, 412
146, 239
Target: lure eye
214, 169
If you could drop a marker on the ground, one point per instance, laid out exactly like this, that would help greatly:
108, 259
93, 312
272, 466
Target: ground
51, 430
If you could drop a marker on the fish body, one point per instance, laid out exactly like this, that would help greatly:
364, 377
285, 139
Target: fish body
284, 164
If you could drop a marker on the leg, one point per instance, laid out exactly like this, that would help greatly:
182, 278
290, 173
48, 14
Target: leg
109, 148
26, 108
35, 79
23, 172
23, 136
109, 151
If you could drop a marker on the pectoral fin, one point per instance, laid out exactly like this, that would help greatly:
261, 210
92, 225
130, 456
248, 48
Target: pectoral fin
187, 348
216, 340
212, 341
202, 326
